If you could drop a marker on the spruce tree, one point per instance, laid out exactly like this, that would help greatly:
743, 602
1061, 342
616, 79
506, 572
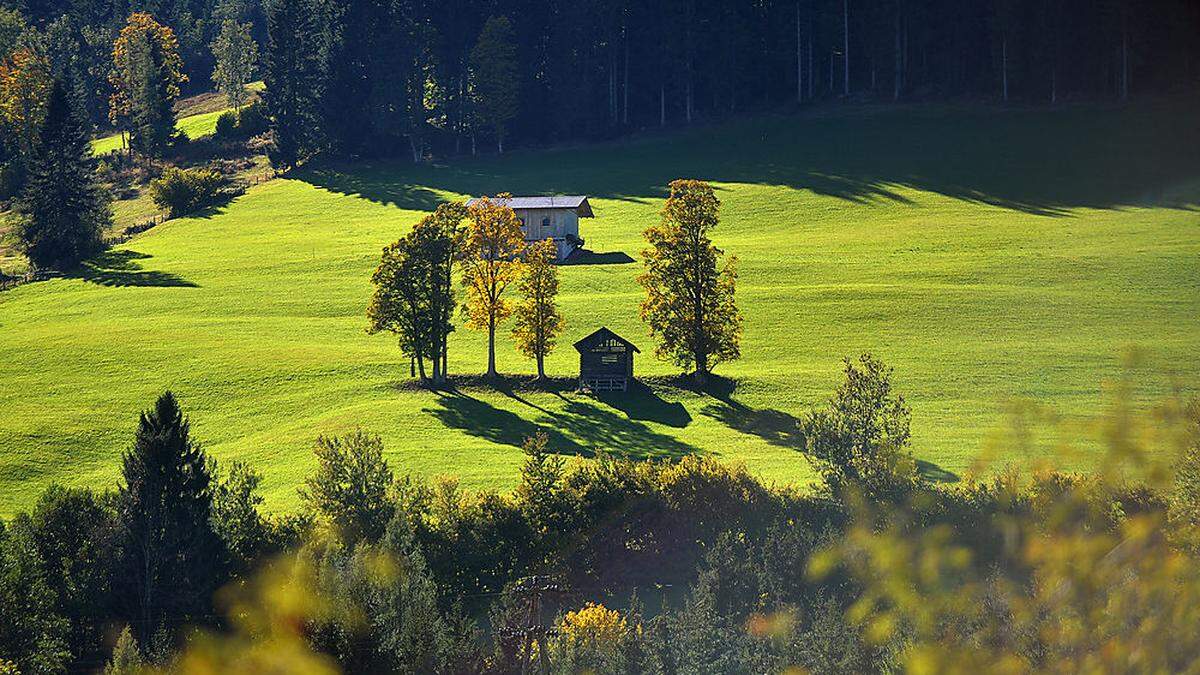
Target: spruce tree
63, 209
293, 75
495, 77
173, 559
236, 56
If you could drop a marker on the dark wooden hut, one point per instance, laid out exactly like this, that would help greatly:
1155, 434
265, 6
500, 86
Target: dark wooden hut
605, 361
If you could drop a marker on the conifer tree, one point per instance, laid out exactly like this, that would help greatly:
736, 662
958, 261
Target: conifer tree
294, 78
494, 77
538, 321
689, 303
126, 657
173, 559
63, 209
236, 54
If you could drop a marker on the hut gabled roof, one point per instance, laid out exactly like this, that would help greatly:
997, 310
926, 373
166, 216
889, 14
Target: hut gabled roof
601, 335
577, 203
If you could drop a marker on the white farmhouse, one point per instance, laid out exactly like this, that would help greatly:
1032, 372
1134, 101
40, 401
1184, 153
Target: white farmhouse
554, 218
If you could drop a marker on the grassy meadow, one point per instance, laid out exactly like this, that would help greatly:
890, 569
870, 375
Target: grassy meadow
989, 256
196, 118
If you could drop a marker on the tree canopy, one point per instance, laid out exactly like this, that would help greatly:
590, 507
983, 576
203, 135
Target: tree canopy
146, 79
689, 303
491, 262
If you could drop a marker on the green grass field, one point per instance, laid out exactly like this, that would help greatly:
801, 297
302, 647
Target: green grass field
989, 256
192, 126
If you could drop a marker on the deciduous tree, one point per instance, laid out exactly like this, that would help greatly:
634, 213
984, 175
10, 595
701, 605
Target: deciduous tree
236, 56
350, 487
414, 293
491, 262
147, 73
538, 321
32, 634
689, 303
24, 93
861, 440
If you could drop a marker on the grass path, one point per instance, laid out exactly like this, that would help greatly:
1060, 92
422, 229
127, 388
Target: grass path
989, 257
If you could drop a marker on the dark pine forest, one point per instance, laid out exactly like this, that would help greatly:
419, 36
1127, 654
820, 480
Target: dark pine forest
400, 76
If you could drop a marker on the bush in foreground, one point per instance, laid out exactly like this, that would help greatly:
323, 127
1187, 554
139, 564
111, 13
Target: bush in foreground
671, 567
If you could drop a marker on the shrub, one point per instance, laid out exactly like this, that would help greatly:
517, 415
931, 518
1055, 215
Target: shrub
252, 120
350, 488
227, 125
183, 191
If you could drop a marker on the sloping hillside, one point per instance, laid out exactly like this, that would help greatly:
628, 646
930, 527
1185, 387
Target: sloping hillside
989, 256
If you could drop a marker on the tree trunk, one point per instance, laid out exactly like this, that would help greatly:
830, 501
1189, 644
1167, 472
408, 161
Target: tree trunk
625, 85
612, 88
1124, 61
541, 367
436, 362
1004, 66
810, 61
898, 82
491, 371
421, 367
799, 59
846, 47
688, 96
662, 105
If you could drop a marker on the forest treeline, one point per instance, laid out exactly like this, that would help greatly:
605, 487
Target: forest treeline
618, 566
426, 76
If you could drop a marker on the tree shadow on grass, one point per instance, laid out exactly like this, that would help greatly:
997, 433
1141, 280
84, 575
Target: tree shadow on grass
934, 473
773, 426
1042, 162
585, 257
119, 268
578, 429
640, 402
607, 431
478, 418
370, 184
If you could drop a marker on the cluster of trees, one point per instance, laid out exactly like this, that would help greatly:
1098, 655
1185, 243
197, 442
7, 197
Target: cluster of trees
428, 75
124, 73
689, 307
617, 566
47, 115
356, 77
414, 285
